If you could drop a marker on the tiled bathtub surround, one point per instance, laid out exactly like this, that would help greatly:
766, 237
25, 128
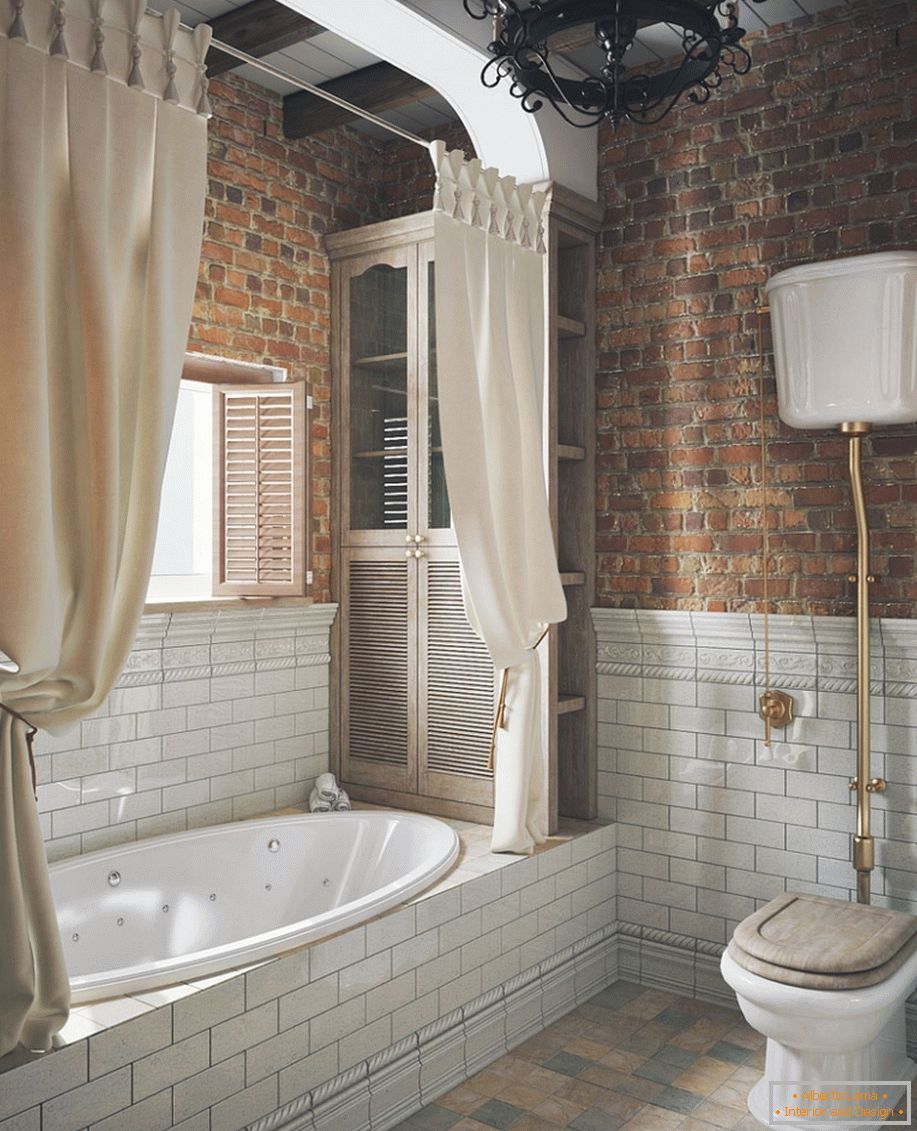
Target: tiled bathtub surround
711, 823
354, 1032
218, 715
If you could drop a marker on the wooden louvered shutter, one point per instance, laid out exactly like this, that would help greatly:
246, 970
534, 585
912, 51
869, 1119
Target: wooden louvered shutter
379, 665
259, 545
459, 700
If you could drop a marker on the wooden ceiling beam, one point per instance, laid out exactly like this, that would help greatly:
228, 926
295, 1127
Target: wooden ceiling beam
257, 28
376, 88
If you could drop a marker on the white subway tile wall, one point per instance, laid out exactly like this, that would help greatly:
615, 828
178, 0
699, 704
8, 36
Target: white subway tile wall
711, 822
217, 716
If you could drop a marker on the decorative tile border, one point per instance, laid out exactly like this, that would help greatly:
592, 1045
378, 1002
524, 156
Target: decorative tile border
806, 653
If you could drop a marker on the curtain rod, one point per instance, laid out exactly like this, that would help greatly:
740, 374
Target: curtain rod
317, 90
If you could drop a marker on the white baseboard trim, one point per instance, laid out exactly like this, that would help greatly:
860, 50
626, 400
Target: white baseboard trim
677, 963
691, 967
381, 1092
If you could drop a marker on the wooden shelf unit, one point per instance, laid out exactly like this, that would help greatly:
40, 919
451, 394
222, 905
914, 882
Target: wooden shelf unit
572, 224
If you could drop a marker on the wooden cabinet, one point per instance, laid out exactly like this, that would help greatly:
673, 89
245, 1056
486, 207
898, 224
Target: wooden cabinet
414, 688
414, 685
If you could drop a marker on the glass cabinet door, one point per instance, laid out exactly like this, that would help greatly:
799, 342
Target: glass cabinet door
379, 393
438, 515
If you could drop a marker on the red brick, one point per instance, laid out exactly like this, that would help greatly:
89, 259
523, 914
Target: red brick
764, 176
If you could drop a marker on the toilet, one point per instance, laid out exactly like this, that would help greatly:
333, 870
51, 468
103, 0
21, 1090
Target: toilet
826, 982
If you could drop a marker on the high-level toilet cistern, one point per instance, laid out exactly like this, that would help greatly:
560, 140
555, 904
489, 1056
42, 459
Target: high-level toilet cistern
826, 981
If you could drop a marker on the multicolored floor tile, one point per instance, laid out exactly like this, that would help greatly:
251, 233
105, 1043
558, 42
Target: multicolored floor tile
631, 1058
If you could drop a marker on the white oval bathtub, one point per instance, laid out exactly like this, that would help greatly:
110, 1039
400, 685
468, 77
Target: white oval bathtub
174, 908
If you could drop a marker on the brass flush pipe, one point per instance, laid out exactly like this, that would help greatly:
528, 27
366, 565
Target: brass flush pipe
774, 707
864, 854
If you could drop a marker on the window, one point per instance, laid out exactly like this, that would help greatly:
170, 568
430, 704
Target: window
233, 513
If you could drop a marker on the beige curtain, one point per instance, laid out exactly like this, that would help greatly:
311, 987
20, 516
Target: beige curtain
490, 333
101, 205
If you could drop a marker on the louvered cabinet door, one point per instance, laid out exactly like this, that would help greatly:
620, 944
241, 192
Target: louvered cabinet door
379, 664
456, 686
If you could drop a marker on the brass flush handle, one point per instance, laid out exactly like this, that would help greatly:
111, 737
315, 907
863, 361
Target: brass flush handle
776, 708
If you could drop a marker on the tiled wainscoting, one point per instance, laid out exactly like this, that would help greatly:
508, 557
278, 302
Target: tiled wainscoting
354, 1032
712, 823
218, 715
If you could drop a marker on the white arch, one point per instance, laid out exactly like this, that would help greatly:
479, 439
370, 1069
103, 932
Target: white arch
529, 147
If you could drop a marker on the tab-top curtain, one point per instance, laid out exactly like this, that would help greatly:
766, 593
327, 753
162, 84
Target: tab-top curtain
490, 331
102, 179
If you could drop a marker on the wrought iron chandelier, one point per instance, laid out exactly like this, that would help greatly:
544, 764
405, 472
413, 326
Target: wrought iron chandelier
521, 48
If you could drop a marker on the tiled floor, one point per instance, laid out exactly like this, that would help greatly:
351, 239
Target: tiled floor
630, 1058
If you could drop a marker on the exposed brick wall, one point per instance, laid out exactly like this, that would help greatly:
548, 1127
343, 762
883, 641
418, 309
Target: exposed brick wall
810, 156
264, 286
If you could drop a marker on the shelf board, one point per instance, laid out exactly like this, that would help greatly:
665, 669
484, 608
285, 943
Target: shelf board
380, 361
567, 704
381, 454
570, 327
570, 452
389, 452
573, 577
391, 391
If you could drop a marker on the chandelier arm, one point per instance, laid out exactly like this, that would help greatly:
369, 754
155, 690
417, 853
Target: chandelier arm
521, 54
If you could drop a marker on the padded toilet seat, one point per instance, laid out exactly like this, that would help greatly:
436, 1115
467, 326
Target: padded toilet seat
818, 943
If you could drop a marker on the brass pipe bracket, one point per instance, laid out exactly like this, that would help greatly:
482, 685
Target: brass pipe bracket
874, 785
776, 709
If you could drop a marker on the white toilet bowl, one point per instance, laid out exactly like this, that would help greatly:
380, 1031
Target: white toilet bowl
830, 1036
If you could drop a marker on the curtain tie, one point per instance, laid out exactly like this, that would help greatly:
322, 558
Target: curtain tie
500, 714
29, 736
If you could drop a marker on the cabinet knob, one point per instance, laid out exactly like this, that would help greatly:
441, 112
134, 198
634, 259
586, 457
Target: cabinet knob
419, 554
418, 538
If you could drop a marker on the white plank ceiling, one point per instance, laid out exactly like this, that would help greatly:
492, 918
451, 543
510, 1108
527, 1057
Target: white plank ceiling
328, 56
